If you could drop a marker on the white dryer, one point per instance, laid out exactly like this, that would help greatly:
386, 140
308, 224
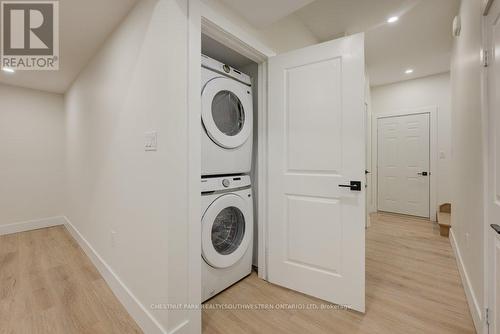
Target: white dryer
226, 232
227, 119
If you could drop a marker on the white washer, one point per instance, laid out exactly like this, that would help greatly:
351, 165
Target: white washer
227, 119
226, 232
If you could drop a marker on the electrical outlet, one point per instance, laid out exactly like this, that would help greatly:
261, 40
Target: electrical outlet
151, 141
113, 235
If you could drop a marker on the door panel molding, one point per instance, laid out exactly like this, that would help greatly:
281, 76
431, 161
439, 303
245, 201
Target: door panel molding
433, 128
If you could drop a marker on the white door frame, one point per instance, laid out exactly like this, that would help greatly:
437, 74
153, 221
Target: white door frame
432, 111
203, 19
229, 39
488, 178
194, 164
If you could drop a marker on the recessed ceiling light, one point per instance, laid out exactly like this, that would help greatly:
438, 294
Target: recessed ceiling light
392, 19
409, 71
8, 70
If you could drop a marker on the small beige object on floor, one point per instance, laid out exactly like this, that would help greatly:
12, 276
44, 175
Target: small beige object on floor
444, 219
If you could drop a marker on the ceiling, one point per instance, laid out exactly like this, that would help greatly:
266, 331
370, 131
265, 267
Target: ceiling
420, 40
262, 13
84, 26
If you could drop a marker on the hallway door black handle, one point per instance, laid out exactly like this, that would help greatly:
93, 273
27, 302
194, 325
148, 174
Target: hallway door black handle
496, 228
354, 186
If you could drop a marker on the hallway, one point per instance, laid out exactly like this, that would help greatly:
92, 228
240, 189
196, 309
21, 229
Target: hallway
413, 286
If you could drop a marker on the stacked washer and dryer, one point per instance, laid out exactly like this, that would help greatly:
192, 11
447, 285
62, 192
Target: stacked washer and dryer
226, 193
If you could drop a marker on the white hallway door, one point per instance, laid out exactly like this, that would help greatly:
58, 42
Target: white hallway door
493, 237
316, 144
403, 164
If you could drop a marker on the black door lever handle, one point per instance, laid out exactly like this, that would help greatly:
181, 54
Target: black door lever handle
496, 228
354, 186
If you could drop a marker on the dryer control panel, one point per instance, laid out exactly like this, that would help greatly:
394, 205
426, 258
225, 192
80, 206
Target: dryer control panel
224, 69
223, 183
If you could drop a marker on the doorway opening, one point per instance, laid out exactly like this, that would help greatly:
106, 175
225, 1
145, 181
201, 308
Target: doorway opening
229, 103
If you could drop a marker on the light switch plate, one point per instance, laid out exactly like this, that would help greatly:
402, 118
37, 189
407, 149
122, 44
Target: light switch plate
151, 141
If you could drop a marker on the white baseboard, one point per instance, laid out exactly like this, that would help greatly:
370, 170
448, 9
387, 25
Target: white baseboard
183, 328
475, 309
134, 307
31, 225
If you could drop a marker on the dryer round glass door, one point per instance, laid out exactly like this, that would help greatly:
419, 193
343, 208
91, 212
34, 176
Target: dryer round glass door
226, 231
227, 112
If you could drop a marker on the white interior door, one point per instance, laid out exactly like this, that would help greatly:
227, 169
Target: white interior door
493, 245
316, 144
403, 164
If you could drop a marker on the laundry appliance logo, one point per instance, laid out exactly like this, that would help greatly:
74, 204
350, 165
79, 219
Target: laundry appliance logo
30, 35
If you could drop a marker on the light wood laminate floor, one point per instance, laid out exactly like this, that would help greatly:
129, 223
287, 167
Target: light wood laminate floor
412, 285
49, 286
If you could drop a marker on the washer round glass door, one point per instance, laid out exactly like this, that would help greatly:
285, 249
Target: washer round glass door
227, 112
226, 231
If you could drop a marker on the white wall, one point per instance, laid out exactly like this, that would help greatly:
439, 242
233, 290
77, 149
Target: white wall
468, 152
284, 35
288, 34
413, 94
32, 155
137, 83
